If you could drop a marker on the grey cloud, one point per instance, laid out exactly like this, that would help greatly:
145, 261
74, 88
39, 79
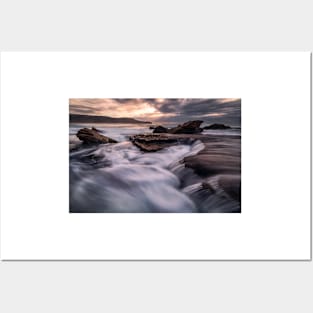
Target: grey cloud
227, 111
198, 108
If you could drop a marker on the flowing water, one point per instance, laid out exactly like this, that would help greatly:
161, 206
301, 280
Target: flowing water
121, 178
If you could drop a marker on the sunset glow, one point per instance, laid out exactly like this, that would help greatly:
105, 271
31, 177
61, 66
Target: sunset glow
160, 109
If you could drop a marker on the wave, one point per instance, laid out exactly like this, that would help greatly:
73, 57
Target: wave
210, 196
121, 178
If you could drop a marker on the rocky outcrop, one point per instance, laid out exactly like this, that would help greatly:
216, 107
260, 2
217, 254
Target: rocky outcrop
217, 126
218, 165
221, 156
231, 184
152, 143
155, 142
95, 129
191, 127
160, 129
92, 136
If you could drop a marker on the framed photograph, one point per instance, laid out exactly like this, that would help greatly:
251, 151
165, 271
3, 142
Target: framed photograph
154, 155
97, 148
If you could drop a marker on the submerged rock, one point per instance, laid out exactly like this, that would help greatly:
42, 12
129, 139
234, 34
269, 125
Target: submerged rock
220, 193
91, 136
191, 127
217, 126
160, 129
231, 184
219, 167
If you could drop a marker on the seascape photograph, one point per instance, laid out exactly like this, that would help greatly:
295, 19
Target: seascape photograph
160, 155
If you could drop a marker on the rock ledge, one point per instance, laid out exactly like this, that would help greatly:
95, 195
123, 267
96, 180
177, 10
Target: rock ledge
92, 136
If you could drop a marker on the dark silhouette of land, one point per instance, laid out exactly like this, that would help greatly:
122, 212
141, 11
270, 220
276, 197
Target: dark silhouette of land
77, 118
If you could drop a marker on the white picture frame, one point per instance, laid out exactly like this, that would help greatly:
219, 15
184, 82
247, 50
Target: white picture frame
274, 88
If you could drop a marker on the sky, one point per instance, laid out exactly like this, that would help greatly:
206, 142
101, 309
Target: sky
222, 110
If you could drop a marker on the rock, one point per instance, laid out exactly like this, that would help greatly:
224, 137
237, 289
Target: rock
75, 146
91, 136
155, 142
217, 126
221, 156
152, 127
231, 184
152, 143
160, 129
95, 129
191, 127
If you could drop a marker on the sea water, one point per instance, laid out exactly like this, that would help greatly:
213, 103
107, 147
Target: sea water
122, 178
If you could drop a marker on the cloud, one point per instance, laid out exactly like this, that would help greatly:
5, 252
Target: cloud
223, 110
209, 110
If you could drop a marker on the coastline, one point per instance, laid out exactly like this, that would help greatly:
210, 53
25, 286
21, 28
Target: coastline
200, 172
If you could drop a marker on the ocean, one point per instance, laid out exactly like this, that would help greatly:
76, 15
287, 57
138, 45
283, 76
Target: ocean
120, 178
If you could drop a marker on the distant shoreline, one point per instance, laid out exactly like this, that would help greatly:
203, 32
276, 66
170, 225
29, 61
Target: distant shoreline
77, 118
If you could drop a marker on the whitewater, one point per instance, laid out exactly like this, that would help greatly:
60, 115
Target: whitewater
120, 178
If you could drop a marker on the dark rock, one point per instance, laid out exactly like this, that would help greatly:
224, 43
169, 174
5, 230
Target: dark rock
91, 136
191, 127
152, 143
221, 155
75, 146
231, 184
152, 127
208, 186
160, 129
217, 126
155, 142
95, 129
